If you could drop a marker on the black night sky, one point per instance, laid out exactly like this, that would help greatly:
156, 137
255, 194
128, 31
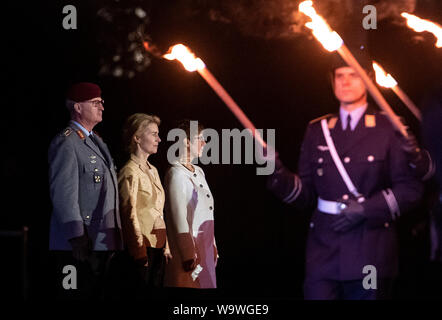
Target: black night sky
280, 82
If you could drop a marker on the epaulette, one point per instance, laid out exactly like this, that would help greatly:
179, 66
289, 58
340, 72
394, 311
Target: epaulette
320, 118
370, 120
332, 119
67, 132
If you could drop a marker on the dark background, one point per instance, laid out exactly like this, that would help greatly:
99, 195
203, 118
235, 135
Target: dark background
280, 82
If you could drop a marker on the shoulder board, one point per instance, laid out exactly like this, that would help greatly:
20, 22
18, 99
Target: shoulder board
370, 120
320, 118
66, 132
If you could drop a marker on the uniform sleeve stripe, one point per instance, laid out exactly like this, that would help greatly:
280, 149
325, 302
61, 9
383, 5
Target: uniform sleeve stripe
431, 169
392, 203
297, 186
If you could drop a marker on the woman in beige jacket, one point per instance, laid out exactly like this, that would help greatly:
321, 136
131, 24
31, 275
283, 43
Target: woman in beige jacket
142, 199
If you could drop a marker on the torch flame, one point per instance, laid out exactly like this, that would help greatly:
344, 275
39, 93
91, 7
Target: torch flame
382, 78
419, 25
321, 30
181, 53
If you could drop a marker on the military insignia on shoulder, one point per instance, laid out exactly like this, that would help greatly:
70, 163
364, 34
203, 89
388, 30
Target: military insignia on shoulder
320, 118
67, 132
370, 120
80, 134
332, 122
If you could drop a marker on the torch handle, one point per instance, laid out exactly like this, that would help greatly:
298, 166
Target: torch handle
230, 103
407, 101
375, 93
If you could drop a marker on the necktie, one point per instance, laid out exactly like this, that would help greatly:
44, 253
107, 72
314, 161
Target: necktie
348, 126
94, 140
92, 137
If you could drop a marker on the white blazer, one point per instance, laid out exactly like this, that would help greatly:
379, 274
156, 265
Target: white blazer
190, 227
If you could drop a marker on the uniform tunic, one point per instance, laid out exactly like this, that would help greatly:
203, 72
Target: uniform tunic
379, 169
84, 194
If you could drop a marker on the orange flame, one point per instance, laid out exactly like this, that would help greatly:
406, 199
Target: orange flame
181, 53
382, 78
321, 30
420, 25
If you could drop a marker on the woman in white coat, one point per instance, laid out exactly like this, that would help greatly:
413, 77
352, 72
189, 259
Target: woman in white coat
189, 219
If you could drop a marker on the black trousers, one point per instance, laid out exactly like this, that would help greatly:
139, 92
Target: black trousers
92, 279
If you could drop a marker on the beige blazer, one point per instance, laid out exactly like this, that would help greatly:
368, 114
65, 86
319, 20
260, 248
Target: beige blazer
141, 207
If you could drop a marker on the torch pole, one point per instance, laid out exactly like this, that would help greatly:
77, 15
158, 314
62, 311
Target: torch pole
371, 87
230, 103
407, 101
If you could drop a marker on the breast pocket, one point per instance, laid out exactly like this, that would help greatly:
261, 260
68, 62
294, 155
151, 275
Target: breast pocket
370, 161
368, 169
94, 176
321, 163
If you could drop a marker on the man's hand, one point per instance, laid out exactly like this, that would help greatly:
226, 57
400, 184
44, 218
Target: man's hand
283, 183
351, 216
80, 248
411, 147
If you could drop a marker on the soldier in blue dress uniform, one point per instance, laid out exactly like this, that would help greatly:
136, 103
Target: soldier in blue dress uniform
352, 233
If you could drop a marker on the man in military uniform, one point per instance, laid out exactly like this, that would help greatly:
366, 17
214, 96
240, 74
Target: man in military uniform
85, 223
352, 230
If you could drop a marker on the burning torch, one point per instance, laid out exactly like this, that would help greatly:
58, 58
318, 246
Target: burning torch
420, 25
387, 81
333, 42
191, 63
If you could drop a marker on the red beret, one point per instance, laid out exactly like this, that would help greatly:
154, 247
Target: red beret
83, 91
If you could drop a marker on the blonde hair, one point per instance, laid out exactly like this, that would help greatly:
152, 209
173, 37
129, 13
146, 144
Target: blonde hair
135, 125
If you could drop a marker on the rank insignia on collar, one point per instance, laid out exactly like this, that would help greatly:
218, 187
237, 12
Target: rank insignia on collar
332, 122
370, 121
80, 134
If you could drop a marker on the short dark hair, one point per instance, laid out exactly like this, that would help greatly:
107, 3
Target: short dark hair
185, 126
